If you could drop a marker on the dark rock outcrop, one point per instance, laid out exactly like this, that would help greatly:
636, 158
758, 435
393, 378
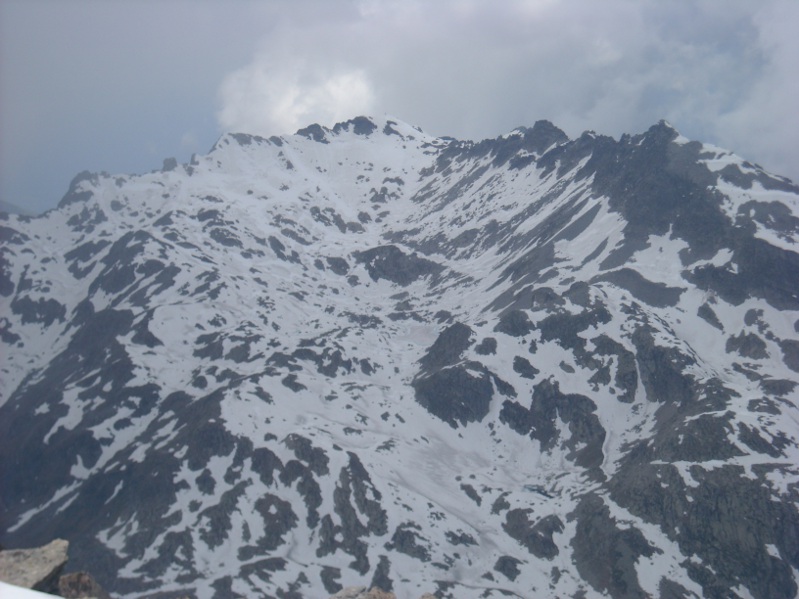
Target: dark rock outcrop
80, 585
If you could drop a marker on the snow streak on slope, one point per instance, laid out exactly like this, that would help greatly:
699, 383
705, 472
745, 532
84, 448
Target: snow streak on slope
525, 366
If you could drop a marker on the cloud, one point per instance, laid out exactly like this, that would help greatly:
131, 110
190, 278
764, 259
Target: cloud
109, 85
719, 71
269, 97
764, 125
307, 70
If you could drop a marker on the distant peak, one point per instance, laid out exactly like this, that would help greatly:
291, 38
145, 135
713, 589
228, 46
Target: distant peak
77, 191
314, 132
361, 125
544, 129
364, 126
541, 136
546, 125
240, 140
663, 129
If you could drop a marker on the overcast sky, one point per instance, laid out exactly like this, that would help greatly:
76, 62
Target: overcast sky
119, 85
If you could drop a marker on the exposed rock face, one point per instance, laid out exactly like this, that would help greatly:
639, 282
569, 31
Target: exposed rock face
80, 585
38, 568
527, 366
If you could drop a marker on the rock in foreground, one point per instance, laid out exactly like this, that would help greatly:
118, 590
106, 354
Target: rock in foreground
37, 568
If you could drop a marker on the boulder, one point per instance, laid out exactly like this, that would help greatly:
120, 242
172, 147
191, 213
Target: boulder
80, 585
37, 568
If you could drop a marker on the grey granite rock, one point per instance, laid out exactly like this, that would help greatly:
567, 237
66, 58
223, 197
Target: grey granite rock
37, 568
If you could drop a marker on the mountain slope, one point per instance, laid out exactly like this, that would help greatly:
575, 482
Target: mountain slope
364, 355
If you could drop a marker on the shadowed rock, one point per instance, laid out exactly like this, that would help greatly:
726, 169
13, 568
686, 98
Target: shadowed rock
78, 585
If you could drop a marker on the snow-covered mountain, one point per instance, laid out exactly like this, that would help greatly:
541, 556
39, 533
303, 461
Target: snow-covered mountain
529, 367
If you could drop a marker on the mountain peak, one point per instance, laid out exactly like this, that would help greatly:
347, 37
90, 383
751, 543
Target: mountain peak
361, 125
544, 135
663, 129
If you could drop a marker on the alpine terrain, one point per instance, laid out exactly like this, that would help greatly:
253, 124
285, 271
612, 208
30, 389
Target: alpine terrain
530, 366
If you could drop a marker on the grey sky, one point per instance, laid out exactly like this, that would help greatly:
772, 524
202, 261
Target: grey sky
120, 85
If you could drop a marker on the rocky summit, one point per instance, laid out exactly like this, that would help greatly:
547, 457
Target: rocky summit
364, 356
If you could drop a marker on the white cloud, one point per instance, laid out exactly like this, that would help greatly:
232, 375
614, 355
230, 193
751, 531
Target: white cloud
721, 71
479, 68
278, 96
111, 80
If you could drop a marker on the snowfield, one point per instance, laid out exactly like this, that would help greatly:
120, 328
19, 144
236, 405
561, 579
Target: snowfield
528, 366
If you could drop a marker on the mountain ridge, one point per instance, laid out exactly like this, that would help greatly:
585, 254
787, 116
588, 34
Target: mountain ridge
366, 355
